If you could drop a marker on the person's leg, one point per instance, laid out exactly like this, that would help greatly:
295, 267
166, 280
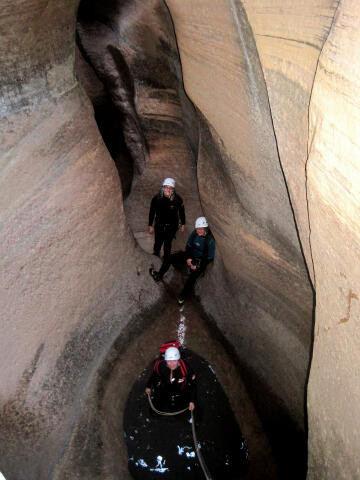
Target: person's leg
159, 239
172, 259
169, 234
189, 284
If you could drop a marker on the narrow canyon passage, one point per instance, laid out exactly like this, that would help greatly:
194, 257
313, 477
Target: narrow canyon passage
129, 64
254, 107
239, 101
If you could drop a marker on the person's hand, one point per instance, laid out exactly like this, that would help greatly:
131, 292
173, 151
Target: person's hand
182, 228
188, 261
147, 391
191, 406
151, 230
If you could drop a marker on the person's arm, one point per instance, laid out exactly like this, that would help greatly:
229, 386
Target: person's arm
189, 244
191, 380
182, 214
152, 214
188, 249
152, 380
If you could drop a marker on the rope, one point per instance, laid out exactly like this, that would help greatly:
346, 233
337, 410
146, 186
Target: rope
168, 414
198, 453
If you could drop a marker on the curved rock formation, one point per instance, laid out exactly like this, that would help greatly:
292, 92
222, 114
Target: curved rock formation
72, 274
268, 150
306, 55
333, 184
267, 302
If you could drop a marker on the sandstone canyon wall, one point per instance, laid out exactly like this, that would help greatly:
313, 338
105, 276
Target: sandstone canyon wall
333, 185
71, 272
306, 51
268, 152
265, 305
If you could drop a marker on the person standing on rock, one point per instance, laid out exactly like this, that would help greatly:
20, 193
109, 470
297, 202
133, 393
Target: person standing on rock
172, 382
167, 209
200, 251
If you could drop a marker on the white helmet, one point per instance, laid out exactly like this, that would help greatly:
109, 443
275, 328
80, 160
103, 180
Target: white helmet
201, 222
172, 353
170, 182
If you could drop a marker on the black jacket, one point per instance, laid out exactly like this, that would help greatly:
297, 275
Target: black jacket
180, 385
167, 211
200, 249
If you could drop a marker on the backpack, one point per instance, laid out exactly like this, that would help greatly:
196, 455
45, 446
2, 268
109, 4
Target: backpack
182, 364
166, 345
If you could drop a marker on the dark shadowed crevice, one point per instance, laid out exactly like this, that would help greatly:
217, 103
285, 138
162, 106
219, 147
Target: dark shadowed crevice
114, 99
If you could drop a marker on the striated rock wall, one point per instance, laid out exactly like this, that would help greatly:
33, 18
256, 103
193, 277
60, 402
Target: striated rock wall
334, 186
71, 272
289, 38
274, 133
311, 75
265, 306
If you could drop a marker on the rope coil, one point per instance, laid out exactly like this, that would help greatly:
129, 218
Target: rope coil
168, 414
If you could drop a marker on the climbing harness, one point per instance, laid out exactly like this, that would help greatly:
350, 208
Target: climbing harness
198, 453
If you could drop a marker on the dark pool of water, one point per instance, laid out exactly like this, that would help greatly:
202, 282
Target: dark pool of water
162, 447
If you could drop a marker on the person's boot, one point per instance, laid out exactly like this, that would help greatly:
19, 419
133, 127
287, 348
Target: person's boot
181, 301
155, 275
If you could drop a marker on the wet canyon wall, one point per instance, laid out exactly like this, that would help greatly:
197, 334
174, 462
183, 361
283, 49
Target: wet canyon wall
311, 79
72, 275
264, 298
274, 160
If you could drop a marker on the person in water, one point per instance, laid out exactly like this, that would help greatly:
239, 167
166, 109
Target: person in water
200, 251
173, 383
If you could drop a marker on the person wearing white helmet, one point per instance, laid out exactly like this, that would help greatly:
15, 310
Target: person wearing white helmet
200, 251
172, 382
167, 211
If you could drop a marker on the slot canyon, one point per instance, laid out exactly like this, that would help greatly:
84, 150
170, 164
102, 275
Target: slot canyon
253, 107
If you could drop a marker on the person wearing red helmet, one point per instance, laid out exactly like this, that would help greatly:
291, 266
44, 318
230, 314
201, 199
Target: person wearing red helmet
173, 383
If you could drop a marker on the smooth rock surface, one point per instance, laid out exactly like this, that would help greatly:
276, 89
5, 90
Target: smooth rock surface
269, 151
334, 186
71, 272
266, 297
289, 38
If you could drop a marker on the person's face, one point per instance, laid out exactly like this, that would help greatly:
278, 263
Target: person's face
168, 190
201, 232
172, 364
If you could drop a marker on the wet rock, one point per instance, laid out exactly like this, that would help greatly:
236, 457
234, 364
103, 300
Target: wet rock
266, 298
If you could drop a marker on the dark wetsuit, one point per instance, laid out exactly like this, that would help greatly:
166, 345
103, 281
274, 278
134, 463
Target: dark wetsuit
201, 250
167, 213
172, 392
